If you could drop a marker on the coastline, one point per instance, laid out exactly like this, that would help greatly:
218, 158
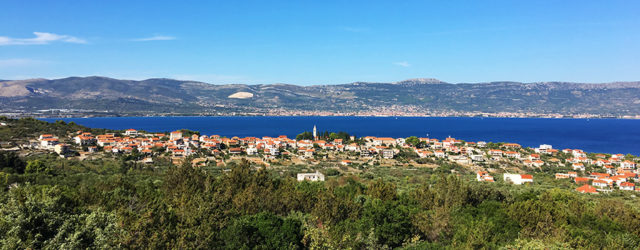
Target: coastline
478, 115
593, 135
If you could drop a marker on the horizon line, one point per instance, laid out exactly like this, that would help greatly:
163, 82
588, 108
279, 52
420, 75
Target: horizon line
425, 80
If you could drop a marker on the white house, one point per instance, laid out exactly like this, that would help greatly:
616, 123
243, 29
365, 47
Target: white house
578, 166
484, 176
317, 176
274, 152
61, 148
578, 153
477, 158
544, 148
627, 186
131, 132
84, 140
352, 147
495, 152
175, 135
512, 154
252, 151
628, 165
387, 153
48, 142
309, 152
518, 179
384, 141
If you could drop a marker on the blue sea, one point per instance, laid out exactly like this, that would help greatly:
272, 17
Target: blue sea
591, 135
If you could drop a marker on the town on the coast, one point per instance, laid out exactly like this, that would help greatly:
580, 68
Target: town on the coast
591, 172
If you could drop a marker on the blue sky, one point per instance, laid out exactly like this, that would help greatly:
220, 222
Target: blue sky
323, 42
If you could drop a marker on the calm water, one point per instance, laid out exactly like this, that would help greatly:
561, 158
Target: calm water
592, 135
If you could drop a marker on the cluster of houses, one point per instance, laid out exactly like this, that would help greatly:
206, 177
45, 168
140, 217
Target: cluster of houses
621, 172
181, 146
603, 182
477, 152
618, 173
50, 142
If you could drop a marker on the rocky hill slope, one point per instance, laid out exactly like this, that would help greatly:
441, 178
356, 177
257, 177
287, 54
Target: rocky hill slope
168, 95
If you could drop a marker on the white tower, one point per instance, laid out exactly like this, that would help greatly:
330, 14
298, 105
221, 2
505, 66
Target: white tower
315, 136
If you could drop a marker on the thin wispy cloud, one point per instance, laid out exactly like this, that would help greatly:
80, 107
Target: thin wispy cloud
402, 64
154, 38
39, 39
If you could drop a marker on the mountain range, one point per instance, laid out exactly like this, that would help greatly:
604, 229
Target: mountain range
424, 95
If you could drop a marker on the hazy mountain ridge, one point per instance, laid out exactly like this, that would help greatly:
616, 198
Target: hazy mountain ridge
169, 95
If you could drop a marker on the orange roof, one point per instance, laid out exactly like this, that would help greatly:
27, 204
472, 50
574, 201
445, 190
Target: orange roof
526, 176
627, 184
600, 174
629, 175
587, 189
386, 139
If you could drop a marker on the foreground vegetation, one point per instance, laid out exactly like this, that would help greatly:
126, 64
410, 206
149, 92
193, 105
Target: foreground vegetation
49, 202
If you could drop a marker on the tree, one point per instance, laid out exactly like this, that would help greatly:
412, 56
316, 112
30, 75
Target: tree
11, 163
305, 136
414, 141
264, 231
37, 167
46, 217
97, 229
389, 221
382, 190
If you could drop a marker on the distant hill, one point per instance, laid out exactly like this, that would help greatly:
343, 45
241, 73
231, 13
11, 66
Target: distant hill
168, 95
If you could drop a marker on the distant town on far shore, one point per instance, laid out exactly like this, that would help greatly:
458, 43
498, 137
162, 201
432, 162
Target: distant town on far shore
425, 97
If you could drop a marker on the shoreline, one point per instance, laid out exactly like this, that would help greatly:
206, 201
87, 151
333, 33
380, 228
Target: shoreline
637, 117
494, 129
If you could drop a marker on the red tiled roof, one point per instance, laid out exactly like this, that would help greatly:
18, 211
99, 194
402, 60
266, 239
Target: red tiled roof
587, 189
526, 176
